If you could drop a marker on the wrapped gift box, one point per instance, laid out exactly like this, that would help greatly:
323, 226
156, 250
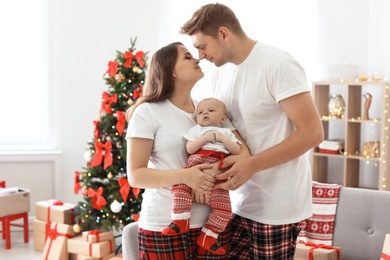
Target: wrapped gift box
18, 202
40, 231
56, 242
331, 146
55, 211
94, 236
386, 248
84, 257
117, 257
78, 245
317, 252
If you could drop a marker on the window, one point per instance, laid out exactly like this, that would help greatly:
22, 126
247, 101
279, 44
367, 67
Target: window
24, 108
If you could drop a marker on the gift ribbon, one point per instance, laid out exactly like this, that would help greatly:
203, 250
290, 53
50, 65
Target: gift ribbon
2, 184
120, 124
54, 203
98, 155
112, 68
315, 246
53, 234
91, 244
385, 256
107, 101
77, 185
98, 201
96, 233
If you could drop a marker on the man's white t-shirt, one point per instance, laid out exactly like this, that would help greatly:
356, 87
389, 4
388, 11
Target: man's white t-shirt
165, 124
251, 92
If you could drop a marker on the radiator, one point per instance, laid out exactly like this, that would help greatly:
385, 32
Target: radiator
37, 172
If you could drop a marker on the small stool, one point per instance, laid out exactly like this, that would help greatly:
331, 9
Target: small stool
6, 224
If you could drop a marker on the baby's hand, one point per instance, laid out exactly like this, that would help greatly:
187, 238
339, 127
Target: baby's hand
210, 136
219, 136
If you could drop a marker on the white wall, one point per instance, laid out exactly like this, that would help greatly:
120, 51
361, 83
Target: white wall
84, 36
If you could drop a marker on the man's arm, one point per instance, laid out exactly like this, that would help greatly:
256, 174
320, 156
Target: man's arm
309, 132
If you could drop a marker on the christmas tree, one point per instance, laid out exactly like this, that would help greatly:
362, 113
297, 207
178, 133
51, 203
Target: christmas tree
109, 201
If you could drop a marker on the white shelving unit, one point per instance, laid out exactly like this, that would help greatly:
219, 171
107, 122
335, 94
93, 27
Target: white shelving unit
351, 168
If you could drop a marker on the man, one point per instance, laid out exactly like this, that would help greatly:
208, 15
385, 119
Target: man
269, 102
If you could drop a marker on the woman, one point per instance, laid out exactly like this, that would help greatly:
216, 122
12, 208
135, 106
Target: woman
156, 155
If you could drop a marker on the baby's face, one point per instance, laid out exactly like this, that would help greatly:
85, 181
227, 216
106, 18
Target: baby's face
210, 113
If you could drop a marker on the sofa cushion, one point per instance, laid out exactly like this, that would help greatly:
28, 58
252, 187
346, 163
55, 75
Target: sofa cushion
362, 221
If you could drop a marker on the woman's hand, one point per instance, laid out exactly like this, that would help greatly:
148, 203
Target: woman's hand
198, 180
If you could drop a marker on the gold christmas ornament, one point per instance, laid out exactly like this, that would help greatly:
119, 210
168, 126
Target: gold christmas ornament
130, 102
135, 69
76, 228
109, 175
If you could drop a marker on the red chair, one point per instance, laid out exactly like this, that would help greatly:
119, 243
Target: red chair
6, 224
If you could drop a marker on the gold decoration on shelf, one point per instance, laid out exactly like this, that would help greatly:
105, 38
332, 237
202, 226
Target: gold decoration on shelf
371, 149
367, 104
336, 106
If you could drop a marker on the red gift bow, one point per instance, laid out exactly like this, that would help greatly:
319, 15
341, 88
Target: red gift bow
112, 68
98, 155
96, 131
139, 57
314, 246
107, 101
120, 125
96, 233
2, 184
77, 185
385, 256
136, 191
128, 57
55, 203
53, 234
136, 93
125, 188
135, 217
98, 201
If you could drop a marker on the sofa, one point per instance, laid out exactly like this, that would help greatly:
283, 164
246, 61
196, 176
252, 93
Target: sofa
362, 221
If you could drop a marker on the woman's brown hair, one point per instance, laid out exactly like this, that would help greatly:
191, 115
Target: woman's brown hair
159, 84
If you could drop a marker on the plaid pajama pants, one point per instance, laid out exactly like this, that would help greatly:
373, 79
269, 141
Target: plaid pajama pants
156, 246
256, 241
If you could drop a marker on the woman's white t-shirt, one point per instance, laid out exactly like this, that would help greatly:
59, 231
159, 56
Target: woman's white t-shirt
165, 124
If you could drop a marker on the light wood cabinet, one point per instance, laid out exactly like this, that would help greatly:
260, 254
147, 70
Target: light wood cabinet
350, 167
